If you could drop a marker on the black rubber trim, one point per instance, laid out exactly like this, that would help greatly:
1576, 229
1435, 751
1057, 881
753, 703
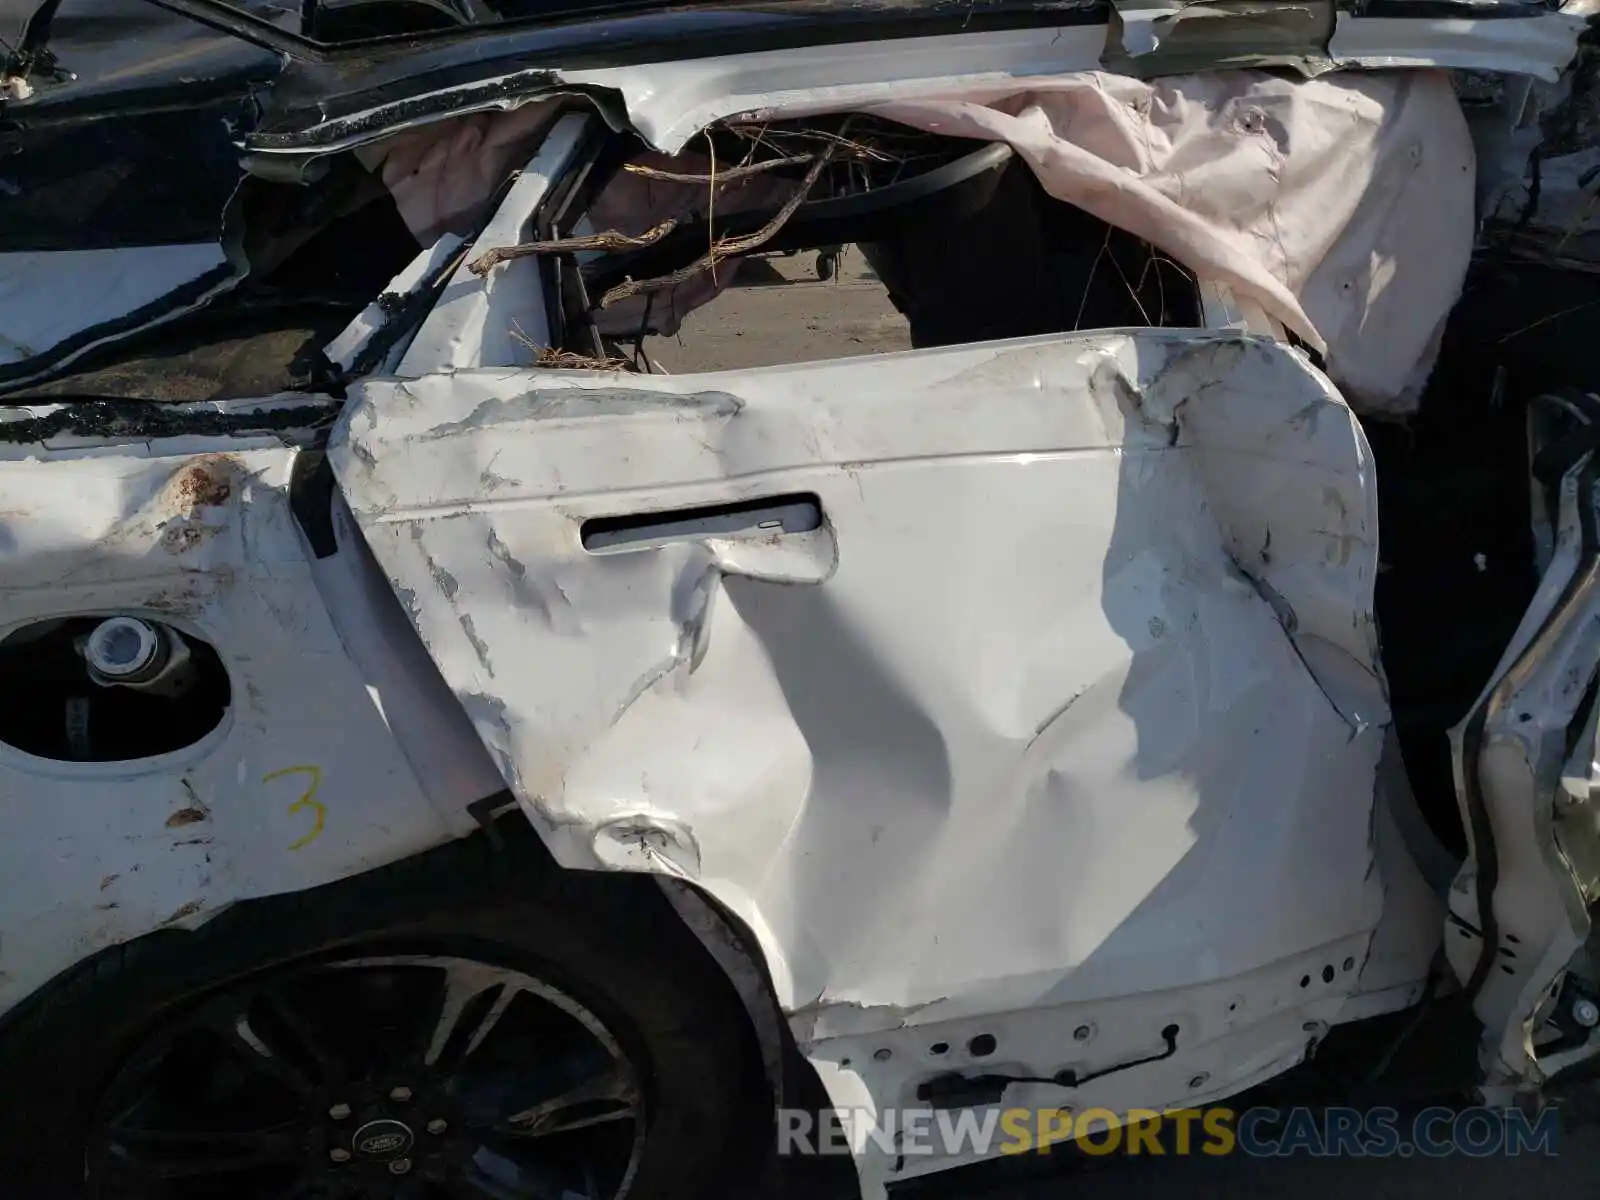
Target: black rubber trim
864, 15
102, 417
311, 486
567, 304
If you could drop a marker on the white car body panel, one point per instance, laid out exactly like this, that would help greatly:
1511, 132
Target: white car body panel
346, 349
1538, 47
1078, 673
304, 782
668, 102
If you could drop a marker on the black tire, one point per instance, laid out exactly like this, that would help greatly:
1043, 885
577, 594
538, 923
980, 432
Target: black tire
612, 943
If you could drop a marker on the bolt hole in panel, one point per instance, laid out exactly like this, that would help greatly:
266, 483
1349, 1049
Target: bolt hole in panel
983, 1045
108, 689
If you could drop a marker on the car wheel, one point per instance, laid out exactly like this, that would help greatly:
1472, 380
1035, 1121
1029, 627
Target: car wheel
443, 1029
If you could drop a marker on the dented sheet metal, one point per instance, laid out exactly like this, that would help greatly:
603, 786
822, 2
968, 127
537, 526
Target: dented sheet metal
1538, 44
1070, 697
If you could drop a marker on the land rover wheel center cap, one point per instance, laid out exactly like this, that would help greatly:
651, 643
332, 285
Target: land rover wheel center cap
383, 1140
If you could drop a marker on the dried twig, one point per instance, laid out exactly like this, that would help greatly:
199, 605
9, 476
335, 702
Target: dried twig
725, 248
853, 147
554, 358
730, 175
1133, 292
711, 207
1154, 260
1546, 319
566, 360
609, 240
1083, 304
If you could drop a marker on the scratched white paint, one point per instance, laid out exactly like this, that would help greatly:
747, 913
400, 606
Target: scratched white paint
1072, 700
303, 782
1539, 47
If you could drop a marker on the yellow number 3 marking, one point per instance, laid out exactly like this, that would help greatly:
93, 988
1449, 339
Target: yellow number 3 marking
308, 800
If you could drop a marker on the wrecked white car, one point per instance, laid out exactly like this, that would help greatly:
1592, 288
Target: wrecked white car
444, 753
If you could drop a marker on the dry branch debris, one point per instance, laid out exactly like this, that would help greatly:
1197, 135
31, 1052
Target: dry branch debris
725, 248
731, 175
609, 240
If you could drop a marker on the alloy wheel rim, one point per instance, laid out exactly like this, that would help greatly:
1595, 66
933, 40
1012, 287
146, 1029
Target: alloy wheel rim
402, 1076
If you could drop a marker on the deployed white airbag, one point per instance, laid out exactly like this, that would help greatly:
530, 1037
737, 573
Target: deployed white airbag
1343, 204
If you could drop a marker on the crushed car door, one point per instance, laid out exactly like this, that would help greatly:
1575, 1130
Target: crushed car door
1020, 698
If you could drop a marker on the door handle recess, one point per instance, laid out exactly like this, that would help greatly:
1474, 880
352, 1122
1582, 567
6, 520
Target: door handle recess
763, 517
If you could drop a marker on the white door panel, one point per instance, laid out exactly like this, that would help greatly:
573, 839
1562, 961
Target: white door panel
1070, 698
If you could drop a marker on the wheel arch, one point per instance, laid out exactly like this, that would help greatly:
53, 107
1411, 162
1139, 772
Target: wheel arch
122, 990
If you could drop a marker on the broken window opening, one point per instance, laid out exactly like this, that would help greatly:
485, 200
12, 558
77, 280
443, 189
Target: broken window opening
777, 243
317, 256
